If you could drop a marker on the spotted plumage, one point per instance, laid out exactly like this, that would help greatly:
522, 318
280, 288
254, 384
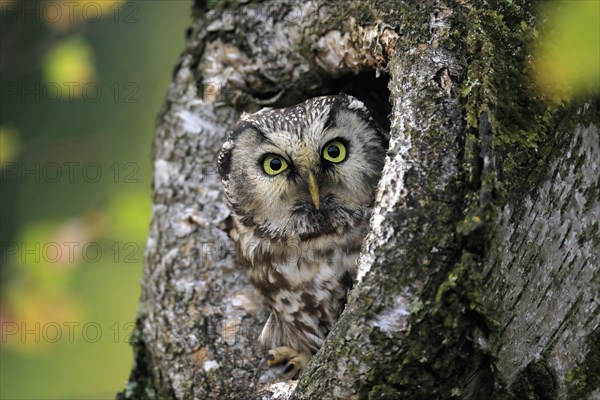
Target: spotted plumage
300, 182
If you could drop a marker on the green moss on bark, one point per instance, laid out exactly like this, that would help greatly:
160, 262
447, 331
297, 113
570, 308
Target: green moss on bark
430, 363
584, 379
500, 83
499, 87
140, 384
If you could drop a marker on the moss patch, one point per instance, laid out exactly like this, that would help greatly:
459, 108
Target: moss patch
430, 364
499, 82
139, 385
584, 379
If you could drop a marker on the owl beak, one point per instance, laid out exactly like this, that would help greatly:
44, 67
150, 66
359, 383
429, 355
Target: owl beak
313, 189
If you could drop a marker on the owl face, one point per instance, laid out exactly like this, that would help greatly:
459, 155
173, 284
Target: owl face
303, 171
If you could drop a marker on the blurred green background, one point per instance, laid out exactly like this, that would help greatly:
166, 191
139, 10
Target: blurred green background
82, 83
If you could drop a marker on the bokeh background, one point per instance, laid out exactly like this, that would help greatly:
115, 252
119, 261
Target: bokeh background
82, 83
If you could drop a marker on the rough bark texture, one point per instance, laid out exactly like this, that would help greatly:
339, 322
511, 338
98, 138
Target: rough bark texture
480, 277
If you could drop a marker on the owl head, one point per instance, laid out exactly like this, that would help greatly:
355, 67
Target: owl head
303, 171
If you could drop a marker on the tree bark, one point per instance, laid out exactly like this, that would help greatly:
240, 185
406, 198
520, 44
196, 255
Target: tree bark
480, 275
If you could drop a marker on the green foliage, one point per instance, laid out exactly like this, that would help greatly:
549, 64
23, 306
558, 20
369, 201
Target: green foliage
70, 60
40, 292
567, 52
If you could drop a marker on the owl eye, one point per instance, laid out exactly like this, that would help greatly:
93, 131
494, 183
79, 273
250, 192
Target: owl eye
274, 165
334, 151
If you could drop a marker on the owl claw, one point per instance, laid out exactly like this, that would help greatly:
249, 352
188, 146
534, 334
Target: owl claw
295, 360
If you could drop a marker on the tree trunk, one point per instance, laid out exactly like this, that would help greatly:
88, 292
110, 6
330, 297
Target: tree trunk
480, 276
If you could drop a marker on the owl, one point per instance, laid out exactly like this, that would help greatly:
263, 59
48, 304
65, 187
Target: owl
300, 183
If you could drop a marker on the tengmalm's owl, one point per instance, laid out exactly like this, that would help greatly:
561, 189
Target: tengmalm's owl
301, 183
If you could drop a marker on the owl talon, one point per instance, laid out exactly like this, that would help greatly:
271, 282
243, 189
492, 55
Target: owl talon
289, 367
295, 360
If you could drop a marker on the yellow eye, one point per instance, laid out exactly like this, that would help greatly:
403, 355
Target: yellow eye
334, 151
274, 165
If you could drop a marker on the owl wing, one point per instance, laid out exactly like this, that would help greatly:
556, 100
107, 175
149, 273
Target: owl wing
234, 234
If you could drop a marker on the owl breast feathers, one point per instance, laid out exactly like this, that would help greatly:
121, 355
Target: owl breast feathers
300, 182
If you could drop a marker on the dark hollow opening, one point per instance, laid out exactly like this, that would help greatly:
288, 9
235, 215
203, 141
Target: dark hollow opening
371, 90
